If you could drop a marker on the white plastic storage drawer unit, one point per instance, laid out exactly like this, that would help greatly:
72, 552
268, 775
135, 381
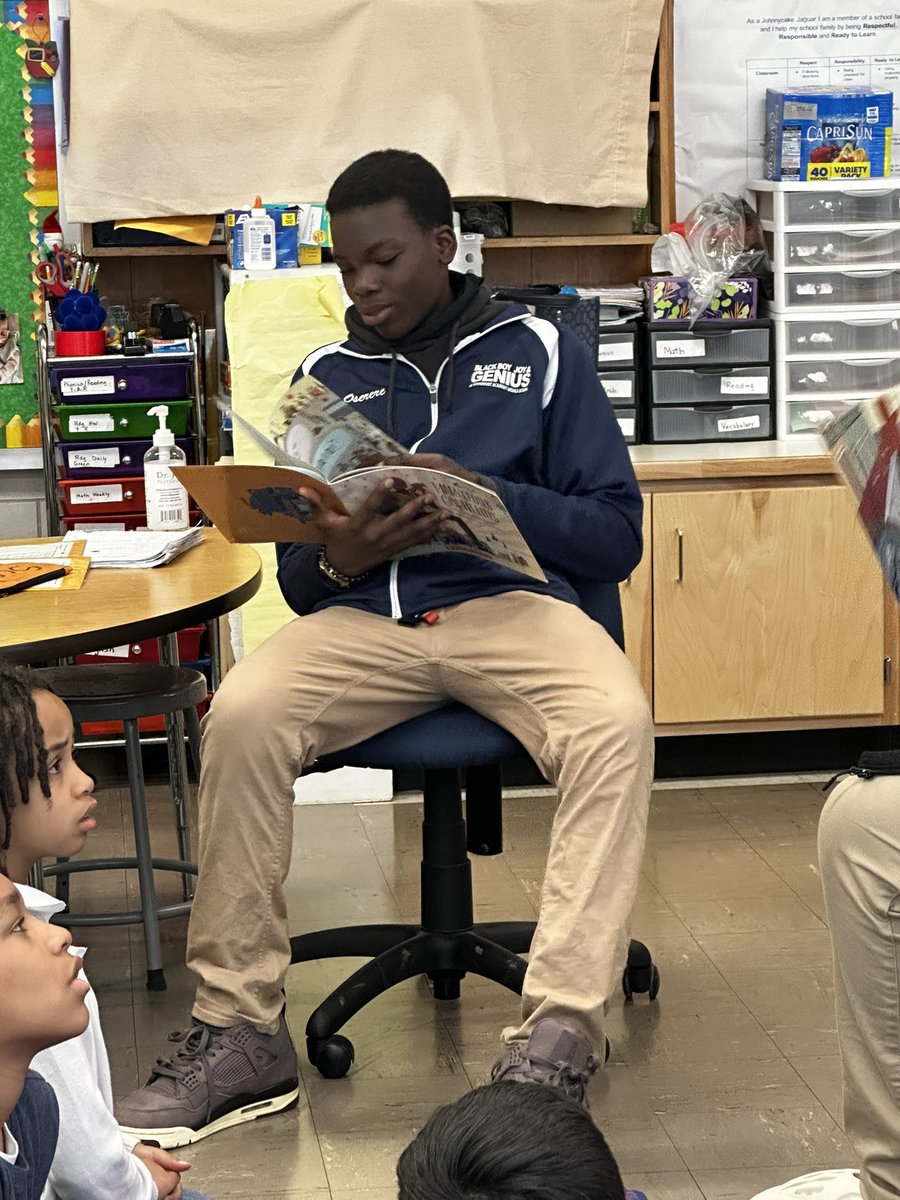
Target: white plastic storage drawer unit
859, 246
788, 205
823, 363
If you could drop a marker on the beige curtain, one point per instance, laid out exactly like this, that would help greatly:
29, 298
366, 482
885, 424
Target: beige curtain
181, 108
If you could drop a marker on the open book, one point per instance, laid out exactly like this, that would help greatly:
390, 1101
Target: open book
319, 442
865, 443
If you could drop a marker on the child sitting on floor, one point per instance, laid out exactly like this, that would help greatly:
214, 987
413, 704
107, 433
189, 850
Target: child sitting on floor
507, 1141
46, 811
41, 1002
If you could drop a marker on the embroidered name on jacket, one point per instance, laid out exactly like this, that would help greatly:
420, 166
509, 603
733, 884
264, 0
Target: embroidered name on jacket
359, 397
502, 375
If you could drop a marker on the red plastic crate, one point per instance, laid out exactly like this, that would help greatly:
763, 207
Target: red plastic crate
148, 651
145, 724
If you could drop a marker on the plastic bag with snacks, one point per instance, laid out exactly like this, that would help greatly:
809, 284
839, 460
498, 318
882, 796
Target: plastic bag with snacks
721, 240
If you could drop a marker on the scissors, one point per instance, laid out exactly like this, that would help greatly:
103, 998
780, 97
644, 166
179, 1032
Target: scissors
57, 274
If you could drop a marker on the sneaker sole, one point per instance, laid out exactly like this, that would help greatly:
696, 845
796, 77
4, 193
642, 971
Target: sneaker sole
181, 1135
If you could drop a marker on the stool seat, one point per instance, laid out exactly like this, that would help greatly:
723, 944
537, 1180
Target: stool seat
123, 691
126, 692
452, 736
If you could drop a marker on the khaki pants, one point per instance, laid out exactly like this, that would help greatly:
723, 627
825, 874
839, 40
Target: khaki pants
537, 666
859, 854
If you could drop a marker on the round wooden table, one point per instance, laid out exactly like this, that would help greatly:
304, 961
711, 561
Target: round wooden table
114, 607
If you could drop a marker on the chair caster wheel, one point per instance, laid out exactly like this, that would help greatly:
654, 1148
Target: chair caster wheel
445, 984
641, 979
332, 1057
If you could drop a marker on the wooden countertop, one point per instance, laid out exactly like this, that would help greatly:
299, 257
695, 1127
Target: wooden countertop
731, 460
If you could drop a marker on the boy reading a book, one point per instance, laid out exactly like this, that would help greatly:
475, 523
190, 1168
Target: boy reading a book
489, 393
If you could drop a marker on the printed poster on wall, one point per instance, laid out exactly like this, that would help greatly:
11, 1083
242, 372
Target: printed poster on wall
728, 54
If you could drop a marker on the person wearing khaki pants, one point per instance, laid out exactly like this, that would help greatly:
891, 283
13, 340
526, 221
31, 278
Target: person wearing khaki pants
430, 358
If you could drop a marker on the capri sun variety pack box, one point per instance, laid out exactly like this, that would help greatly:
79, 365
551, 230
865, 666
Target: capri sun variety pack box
812, 135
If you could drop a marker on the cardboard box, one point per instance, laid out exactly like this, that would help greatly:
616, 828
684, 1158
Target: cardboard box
529, 219
814, 135
668, 299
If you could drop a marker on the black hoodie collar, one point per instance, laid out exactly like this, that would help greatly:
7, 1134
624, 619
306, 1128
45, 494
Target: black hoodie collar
432, 341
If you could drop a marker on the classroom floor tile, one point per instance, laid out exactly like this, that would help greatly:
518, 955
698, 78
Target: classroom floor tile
728, 1083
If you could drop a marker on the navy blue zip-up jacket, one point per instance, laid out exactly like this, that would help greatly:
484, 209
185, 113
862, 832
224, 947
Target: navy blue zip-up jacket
521, 403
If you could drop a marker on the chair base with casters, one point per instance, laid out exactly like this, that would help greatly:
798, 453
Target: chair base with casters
447, 944
127, 692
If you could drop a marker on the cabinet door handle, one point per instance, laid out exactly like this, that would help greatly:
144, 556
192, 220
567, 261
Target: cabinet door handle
680, 534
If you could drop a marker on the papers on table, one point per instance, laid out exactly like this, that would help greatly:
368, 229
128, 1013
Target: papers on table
70, 555
134, 548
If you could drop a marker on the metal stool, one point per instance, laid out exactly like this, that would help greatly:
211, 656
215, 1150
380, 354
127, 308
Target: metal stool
127, 692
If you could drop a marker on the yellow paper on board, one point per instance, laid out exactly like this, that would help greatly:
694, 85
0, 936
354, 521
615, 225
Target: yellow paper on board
271, 325
196, 230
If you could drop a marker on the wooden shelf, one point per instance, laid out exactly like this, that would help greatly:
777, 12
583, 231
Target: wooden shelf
596, 239
217, 251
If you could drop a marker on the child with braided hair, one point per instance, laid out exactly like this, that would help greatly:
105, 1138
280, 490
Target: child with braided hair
47, 810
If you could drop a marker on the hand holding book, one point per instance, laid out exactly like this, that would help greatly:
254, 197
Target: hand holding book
383, 526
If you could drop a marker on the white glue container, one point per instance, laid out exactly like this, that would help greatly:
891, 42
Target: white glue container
167, 500
259, 239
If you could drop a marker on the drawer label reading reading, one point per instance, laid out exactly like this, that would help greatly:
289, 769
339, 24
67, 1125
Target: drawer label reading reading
92, 423
736, 424
745, 385
617, 389
89, 459
615, 352
112, 494
686, 348
88, 385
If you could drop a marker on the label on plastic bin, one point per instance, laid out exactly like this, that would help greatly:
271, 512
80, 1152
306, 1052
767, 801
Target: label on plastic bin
736, 424
615, 352
88, 385
92, 423
112, 652
89, 459
626, 424
109, 494
686, 348
617, 389
745, 385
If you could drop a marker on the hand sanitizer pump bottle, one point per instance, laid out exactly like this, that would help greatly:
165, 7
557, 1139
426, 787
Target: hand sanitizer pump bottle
166, 499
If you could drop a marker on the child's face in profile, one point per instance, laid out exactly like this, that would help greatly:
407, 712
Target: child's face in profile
41, 996
57, 826
4, 328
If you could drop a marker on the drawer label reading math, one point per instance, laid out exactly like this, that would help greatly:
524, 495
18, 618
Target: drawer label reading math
682, 348
80, 460
88, 385
111, 494
92, 423
745, 385
736, 424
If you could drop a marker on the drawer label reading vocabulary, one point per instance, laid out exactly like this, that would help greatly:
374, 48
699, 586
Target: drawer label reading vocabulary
736, 424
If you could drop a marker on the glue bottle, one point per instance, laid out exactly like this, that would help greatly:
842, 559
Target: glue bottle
259, 239
166, 499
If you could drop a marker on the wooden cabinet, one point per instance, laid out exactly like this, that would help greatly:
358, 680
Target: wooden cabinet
767, 606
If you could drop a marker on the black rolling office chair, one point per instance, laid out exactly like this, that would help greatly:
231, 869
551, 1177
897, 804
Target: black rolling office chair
447, 943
